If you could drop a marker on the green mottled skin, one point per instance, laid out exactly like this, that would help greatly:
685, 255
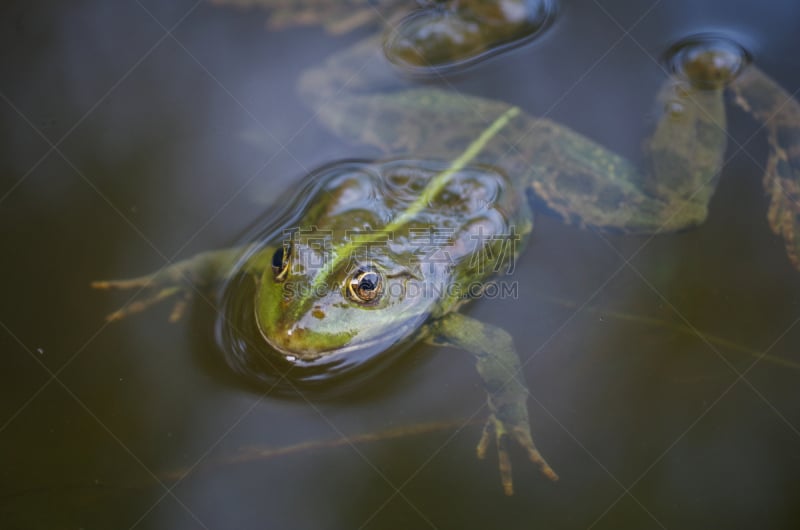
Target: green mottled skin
780, 113
336, 17
361, 98
369, 195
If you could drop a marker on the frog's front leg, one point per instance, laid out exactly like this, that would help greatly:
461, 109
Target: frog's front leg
178, 279
498, 364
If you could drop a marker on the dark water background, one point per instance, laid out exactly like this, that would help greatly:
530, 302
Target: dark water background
644, 421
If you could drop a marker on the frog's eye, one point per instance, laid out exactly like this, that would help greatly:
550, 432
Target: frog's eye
280, 262
365, 286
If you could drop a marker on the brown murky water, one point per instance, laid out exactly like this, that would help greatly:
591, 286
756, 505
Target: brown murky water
125, 146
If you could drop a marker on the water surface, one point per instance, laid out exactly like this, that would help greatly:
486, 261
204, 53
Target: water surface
143, 132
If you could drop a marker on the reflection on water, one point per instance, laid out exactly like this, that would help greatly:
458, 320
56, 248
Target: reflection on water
150, 165
447, 35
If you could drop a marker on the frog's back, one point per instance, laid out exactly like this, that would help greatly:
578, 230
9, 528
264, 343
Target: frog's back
459, 236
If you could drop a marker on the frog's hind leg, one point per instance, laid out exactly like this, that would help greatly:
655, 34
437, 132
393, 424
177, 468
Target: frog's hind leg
781, 184
779, 113
589, 185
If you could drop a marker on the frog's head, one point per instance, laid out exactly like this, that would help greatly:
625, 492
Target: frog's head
314, 306
356, 276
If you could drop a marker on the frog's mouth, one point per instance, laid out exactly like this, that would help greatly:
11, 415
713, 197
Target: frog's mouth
345, 356
327, 373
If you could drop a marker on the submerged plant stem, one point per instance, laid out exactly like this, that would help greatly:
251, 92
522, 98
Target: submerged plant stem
680, 328
251, 454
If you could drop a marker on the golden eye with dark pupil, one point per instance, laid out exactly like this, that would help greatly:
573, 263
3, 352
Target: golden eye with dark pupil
280, 262
365, 286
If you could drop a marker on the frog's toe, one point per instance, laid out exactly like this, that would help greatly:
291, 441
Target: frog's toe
153, 288
495, 428
137, 306
130, 283
523, 437
180, 306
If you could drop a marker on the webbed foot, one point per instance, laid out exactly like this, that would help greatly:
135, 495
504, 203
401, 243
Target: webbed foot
155, 292
180, 280
496, 429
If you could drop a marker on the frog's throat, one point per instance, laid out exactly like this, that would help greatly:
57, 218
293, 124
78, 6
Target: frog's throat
344, 345
435, 185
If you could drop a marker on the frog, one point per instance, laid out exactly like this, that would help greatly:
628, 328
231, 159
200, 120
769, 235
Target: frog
335, 284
